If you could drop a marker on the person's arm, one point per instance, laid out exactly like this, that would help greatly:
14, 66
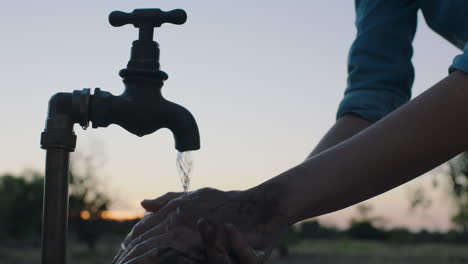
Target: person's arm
380, 73
344, 128
417, 137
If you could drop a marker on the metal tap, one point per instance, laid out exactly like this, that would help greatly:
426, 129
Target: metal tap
140, 109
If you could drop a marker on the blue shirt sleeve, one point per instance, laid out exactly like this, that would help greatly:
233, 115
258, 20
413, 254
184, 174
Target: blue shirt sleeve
380, 72
461, 61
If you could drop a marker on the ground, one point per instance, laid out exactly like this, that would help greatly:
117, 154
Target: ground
310, 252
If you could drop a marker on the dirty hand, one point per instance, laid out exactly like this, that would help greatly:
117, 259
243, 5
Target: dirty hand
174, 247
238, 250
254, 214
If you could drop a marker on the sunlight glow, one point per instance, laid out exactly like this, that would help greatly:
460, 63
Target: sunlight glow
85, 215
121, 215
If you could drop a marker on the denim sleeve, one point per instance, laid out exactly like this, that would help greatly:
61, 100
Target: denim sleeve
461, 61
380, 72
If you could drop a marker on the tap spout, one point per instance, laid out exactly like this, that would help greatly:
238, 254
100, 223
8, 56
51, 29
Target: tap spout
183, 127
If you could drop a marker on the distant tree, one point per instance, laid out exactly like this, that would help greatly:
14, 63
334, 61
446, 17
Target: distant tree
420, 198
310, 229
87, 200
20, 205
366, 230
365, 214
460, 219
457, 191
459, 186
289, 240
401, 235
307, 230
314, 230
363, 227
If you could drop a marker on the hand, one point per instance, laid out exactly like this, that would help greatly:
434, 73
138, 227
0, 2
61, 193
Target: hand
163, 256
253, 213
171, 248
239, 250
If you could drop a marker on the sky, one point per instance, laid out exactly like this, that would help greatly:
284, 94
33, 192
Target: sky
262, 78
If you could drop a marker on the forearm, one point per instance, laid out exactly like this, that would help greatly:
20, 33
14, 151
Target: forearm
415, 138
344, 128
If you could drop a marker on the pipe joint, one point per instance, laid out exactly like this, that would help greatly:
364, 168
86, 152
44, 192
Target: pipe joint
65, 109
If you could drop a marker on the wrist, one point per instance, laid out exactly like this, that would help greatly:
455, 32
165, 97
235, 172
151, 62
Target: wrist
291, 196
270, 199
266, 215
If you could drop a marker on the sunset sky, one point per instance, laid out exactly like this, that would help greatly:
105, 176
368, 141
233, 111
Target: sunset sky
262, 78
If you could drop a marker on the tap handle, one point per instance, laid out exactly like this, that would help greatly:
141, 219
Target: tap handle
152, 17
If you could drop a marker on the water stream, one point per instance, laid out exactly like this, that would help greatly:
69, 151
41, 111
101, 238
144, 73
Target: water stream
184, 165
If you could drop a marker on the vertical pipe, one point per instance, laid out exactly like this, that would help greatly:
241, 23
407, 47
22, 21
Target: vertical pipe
55, 206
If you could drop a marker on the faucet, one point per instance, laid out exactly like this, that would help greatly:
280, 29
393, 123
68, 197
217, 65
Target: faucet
140, 109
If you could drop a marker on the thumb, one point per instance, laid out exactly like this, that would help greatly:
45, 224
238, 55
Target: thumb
207, 232
244, 253
158, 203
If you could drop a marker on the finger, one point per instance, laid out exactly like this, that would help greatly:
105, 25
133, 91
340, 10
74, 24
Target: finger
158, 203
151, 257
207, 232
154, 232
174, 257
126, 242
161, 256
183, 240
154, 256
241, 248
119, 253
123, 248
152, 220
144, 247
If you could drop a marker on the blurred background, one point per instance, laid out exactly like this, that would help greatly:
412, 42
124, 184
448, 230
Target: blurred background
262, 78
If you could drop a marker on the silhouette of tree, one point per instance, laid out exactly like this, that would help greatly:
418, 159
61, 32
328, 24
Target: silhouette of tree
314, 230
363, 227
457, 191
290, 239
87, 200
20, 205
459, 182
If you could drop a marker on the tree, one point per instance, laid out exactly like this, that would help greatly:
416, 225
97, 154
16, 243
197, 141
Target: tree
20, 205
460, 219
314, 230
289, 240
459, 182
458, 172
87, 201
363, 227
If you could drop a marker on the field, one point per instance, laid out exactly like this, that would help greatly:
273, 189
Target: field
310, 252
